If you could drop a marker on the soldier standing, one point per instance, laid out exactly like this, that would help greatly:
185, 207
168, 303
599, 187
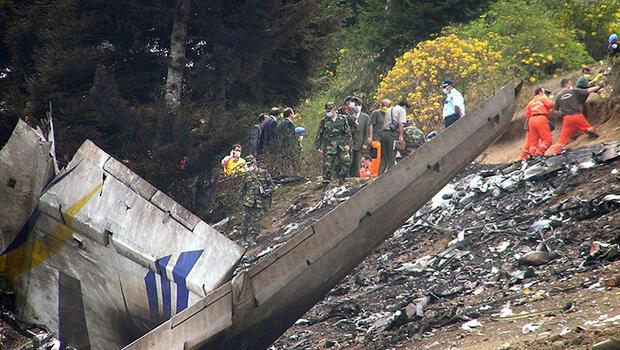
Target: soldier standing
333, 140
255, 196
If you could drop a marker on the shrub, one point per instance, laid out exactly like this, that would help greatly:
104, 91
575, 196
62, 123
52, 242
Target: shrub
531, 37
418, 73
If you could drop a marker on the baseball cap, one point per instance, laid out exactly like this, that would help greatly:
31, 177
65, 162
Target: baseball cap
447, 82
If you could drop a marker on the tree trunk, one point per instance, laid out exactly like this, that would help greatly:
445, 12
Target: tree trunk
176, 58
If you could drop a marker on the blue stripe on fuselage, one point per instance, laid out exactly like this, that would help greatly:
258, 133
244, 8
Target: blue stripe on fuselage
181, 270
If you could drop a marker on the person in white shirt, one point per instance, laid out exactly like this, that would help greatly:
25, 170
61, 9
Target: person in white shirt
454, 105
393, 124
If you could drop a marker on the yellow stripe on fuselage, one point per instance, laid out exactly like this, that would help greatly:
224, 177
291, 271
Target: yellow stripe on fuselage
35, 251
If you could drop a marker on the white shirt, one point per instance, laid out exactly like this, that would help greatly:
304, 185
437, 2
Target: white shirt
453, 98
398, 113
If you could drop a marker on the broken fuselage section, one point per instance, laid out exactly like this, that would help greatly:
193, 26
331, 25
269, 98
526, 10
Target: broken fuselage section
105, 256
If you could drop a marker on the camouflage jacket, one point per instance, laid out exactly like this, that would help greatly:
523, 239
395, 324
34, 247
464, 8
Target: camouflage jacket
256, 189
414, 137
333, 135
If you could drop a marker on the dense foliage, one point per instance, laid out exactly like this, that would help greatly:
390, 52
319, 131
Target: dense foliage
102, 64
533, 40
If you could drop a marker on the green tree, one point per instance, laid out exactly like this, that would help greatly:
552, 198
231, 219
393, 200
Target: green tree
391, 27
530, 37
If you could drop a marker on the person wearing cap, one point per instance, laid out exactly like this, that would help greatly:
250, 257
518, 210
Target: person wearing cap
569, 104
255, 195
538, 136
454, 105
333, 140
359, 124
393, 125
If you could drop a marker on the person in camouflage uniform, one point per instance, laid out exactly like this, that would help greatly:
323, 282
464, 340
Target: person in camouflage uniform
414, 138
255, 196
333, 140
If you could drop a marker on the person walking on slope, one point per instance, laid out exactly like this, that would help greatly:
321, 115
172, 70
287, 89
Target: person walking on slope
255, 194
538, 135
570, 103
454, 105
333, 140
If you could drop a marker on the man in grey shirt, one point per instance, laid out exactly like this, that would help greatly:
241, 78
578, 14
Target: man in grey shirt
395, 119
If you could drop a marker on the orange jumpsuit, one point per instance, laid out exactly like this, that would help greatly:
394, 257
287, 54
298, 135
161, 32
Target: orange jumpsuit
570, 125
570, 103
538, 136
375, 162
365, 173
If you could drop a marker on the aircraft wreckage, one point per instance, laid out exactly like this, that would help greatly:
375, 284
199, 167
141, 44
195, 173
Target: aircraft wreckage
101, 257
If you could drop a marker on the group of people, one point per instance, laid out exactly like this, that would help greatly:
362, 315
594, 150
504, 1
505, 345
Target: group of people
270, 135
354, 143
568, 106
269, 130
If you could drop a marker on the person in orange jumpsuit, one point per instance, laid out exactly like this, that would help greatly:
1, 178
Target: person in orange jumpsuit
570, 103
538, 137
365, 172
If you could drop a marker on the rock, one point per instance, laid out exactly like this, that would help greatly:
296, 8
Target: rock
416, 307
505, 346
613, 281
529, 328
470, 325
380, 325
523, 274
537, 258
302, 322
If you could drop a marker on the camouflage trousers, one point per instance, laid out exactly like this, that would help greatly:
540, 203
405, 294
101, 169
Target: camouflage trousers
338, 164
250, 225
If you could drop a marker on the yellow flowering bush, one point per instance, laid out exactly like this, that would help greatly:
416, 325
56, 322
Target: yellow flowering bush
419, 72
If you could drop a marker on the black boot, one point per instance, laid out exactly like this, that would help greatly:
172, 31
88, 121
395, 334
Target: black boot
341, 181
325, 184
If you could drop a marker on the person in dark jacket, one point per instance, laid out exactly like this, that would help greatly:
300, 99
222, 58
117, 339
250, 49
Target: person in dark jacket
268, 129
255, 134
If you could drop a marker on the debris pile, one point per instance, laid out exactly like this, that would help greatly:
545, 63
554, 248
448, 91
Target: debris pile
497, 239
